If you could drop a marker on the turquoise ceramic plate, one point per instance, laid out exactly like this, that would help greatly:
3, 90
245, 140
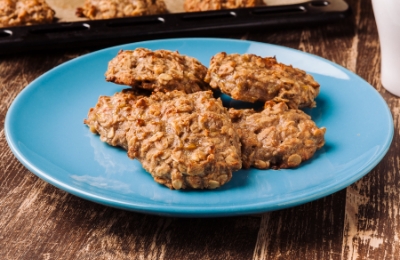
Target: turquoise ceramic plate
44, 128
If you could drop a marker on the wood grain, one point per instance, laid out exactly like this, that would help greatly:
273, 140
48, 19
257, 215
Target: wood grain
372, 211
304, 232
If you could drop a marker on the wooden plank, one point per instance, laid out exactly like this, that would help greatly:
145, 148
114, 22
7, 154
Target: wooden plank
309, 231
372, 212
47, 222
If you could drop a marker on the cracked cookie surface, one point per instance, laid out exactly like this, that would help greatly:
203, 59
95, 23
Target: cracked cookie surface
208, 5
251, 78
108, 9
277, 137
182, 140
159, 70
25, 12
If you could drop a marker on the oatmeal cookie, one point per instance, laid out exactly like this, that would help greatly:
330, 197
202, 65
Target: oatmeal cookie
159, 70
251, 78
108, 9
182, 140
110, 118
208, 5
25, 12
277, 137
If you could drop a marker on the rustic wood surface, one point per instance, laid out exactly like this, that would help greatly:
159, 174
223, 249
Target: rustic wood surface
39, 221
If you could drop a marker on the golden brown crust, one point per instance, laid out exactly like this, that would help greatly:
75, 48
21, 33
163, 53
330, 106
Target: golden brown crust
208, 5
277, 137
159, 70
251, 78
108, 9
110, 118
25, 12
182, 140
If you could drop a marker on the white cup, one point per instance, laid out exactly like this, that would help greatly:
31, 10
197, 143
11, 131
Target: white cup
387, 16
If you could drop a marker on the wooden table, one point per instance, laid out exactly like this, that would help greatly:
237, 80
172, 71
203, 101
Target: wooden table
39, 221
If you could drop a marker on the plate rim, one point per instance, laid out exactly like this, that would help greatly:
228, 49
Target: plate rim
178, 210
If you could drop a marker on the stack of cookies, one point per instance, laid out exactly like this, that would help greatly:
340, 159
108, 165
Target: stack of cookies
172, 121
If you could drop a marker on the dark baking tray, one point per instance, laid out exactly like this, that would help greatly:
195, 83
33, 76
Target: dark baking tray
101, 33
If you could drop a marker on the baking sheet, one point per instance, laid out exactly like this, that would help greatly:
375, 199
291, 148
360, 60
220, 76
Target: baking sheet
65, 10
71, 31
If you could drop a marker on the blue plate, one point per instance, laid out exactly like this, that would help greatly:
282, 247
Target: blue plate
44, 129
